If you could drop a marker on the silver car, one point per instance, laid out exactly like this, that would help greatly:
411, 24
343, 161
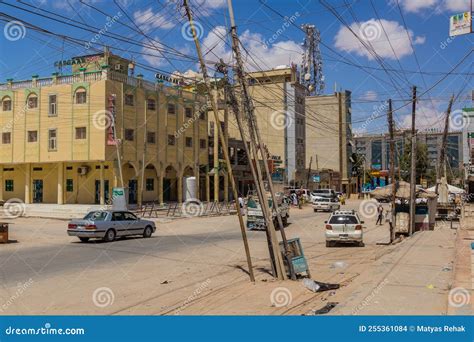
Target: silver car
109, 224
344, 226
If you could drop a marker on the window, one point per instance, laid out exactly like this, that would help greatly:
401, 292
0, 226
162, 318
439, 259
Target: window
8, 184
150, 137
202, 115
32, 102
6, 137
117, 216
189, 142
69, 185
81, 133
7, 104
150, 184
32, 136
52, 105
171, 108
81, 96
129, 216
129, 99
189, 112
171, 139
202, 143
129, 134
52, 140
151, 104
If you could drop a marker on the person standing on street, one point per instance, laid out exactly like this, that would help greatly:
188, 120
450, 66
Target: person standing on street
379, 214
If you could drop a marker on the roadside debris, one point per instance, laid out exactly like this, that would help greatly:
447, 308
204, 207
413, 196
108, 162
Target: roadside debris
325, 309
339, 264
165, 282
317, 286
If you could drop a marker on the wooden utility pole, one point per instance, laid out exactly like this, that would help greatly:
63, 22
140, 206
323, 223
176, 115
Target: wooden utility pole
257, 144
392, 169
221, 136
413, 165
222, 68
441, 171
309, 171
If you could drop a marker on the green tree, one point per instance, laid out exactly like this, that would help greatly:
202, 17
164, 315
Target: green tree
422, 163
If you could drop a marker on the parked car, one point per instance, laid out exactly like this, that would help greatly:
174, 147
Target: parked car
109, 224
305, 193
344, 226
325, 204
328, 193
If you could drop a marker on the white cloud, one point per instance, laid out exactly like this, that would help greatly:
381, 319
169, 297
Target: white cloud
152, 56
415, 6
369, 95
262, 55
428, 116
456, 5
148, 20
372, 34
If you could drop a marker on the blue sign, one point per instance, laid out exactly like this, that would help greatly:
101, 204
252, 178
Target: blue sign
316, 179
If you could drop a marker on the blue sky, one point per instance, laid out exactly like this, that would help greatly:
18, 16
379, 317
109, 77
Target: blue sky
270, 41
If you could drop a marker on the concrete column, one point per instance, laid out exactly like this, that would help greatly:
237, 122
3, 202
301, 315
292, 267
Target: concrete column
60, 183
180, 188
226, 187
102, 190
27, 183
2, 182
208, 188
160, 188
198, 188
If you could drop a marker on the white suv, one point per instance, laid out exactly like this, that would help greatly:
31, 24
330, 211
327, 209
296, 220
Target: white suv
325, 204
344, 226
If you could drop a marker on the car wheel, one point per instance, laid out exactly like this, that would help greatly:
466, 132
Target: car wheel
109, 235
328, 244
147, 232
360, 244
84, 239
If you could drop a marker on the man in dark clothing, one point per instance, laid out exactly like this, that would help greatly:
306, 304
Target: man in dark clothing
379, 215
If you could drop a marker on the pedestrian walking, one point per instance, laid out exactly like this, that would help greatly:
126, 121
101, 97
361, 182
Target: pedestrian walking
379, 215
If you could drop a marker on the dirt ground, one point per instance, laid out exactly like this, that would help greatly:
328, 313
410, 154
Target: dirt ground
197, 266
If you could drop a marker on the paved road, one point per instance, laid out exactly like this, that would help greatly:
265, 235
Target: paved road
187, 261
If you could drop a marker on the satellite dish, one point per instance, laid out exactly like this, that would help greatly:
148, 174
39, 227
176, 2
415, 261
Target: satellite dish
307, 77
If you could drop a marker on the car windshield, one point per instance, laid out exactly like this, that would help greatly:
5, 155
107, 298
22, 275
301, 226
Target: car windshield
96, 216
322, 200
343, 219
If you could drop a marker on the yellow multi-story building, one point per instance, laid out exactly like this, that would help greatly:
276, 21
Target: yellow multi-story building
69, 139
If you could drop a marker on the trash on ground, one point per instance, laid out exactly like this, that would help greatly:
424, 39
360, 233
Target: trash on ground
165, 282
339, 264
325, 309
317, 286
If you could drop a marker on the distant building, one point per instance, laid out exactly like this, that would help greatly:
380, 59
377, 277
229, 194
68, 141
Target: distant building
328, 138
376, 148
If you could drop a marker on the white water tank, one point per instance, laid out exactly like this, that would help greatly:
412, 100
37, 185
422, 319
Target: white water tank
190, 188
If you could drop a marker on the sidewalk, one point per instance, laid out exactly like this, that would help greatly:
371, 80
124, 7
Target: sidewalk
414, 279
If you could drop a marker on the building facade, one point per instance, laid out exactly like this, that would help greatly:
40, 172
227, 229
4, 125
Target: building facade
72, 138
328, 138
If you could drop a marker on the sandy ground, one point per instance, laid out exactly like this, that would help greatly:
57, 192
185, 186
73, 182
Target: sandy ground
197, 266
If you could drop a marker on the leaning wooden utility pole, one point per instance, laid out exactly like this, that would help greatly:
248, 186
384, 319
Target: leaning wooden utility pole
256, 142
221, 136
413, 165
392, 170
441, 171
234, 104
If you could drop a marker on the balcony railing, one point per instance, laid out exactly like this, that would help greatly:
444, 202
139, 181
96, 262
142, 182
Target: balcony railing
98, 76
